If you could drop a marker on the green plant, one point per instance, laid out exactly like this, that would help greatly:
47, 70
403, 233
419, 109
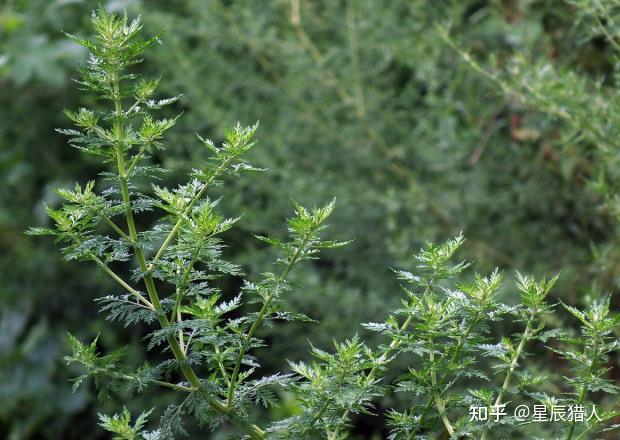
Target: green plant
579, 103
194, 321
444, 332
422, 158
442, 328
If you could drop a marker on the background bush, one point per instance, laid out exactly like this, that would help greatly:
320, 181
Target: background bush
357, 99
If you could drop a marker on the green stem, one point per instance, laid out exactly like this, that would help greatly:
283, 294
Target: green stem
582, 398
584, 390
161, 383
220, 364
513, 365
453, 359
187, 210
118, 279
259, 319
461, 343
439, 402
135, 161
113, 225
133, 233
584, 432
176, 314
177, 302
173, 386
253, 431
393, 346
122, 282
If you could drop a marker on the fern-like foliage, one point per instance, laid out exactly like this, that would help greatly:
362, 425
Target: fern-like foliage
208, 339
179, 258
443, 330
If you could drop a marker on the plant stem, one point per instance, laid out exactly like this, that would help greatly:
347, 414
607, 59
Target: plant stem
584, 390
461, 343
161, 383
439, 402
122, 282
393, 346
455, 355
259, 319
173, 386
253, 431
513, 364
113, 225
148, 279
181, 288
187, 210
176, 313
220, 364
582, 398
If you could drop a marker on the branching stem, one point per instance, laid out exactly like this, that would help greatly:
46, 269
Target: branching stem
172, 386
584, 389
113, 225
453, 359
513, 365
186, 211
122, 282
439, 402
259, 319
393, 346
182, 286
253, 431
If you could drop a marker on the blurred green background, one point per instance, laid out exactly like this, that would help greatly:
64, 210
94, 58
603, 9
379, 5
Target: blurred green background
360, 99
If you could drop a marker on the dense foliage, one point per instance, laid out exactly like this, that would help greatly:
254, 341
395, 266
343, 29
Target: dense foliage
444, 328
359, 100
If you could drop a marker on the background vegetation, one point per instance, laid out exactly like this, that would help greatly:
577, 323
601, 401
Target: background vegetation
368, 101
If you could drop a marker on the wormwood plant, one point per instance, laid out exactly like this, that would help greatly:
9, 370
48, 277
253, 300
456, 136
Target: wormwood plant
442, 330
178, 259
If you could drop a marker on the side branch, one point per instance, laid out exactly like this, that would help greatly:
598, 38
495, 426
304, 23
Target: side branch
122, 282
179, 223
259, 319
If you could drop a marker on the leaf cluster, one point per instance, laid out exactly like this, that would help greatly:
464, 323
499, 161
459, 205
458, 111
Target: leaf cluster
443, 327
